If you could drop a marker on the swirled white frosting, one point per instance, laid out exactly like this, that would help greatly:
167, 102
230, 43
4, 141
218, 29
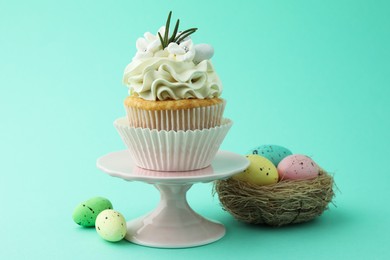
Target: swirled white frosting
163, 78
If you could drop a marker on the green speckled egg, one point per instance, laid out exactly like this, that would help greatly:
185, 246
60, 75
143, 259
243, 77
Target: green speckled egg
274, 153
111, 225
86, 212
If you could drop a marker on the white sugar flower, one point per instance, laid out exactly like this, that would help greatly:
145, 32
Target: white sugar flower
184, 51
149, 45
142, 49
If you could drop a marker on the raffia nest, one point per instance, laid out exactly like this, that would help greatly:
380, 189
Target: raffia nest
286, 202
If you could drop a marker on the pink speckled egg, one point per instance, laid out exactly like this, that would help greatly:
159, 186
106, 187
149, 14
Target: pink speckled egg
297, 167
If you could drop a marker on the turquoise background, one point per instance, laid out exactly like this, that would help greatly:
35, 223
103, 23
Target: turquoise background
309, 75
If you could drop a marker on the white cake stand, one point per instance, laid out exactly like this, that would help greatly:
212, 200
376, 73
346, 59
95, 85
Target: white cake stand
173, 224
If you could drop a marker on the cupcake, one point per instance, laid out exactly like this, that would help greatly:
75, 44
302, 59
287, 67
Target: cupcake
174, 111
172, 83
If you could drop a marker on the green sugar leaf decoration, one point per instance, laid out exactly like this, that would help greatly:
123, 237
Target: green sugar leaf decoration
175, 37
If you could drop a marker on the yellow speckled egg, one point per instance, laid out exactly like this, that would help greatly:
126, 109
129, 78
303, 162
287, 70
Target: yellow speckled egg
111, 225
261, 171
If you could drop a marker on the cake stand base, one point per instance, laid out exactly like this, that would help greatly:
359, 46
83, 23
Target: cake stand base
173, 224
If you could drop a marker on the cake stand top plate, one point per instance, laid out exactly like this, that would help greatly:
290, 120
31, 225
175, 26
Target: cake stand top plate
120, 164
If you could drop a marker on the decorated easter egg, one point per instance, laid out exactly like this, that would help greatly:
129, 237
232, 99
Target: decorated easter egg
86, 212
274, 153
261, 171
203, 52
296, 167
111, 225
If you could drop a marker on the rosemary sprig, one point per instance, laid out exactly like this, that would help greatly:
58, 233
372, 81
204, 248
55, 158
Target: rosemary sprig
185, 34
175, 31
175, 37
161, 40
167, 29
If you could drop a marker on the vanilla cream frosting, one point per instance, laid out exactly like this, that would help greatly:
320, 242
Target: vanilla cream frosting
164, 78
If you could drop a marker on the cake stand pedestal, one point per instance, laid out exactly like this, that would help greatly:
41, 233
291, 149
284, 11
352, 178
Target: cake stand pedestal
173, 224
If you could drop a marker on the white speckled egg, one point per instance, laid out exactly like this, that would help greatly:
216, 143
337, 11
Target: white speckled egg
203, 52
297, 167
111, 225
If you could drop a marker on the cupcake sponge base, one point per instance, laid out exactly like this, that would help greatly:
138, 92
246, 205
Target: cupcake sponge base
188, 114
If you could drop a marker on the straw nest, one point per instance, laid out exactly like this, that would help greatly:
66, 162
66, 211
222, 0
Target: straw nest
286, 202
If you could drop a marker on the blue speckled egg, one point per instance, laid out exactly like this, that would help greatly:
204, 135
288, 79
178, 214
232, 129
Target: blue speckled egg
274, 153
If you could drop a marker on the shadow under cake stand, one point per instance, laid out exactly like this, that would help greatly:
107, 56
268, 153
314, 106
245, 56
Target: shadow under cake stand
173, 224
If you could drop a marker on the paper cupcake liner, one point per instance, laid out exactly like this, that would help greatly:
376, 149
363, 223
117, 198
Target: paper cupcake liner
183, 119
172, 150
